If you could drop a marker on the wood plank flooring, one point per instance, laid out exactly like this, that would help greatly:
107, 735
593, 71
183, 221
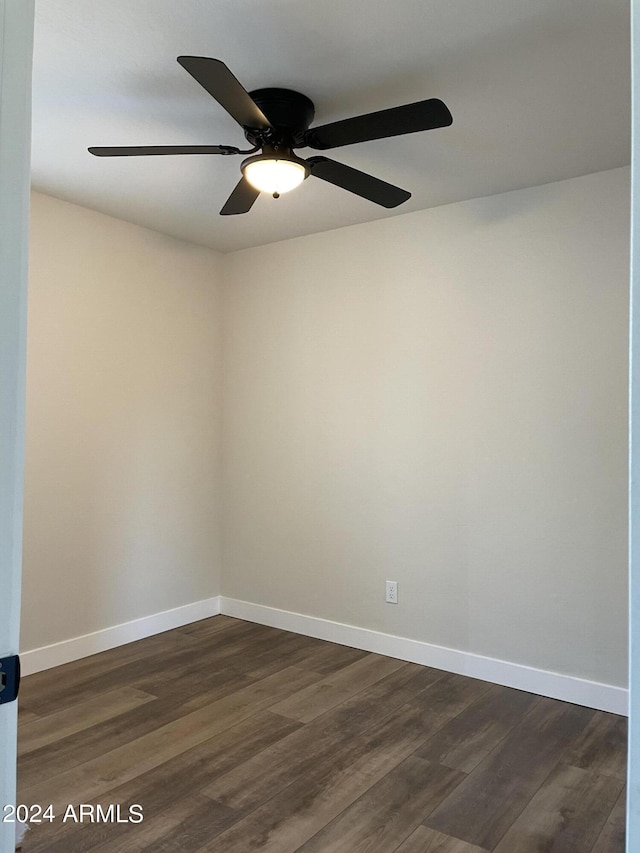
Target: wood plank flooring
235, 737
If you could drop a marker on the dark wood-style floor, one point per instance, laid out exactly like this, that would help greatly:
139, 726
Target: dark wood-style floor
235, 737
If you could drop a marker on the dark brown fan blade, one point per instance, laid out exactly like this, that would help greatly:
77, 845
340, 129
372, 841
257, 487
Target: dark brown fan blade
152, 150
357, 182
215, 77
423, 115
241, 199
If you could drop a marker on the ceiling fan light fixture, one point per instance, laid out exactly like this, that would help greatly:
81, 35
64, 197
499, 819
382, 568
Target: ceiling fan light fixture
275, 172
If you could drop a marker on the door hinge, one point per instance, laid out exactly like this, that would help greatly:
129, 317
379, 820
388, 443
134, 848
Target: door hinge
9, 679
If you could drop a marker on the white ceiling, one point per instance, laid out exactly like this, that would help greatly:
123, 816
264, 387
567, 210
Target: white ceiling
539, 91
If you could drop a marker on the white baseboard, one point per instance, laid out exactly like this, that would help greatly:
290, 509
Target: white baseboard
580, 691
56, 654
604, 697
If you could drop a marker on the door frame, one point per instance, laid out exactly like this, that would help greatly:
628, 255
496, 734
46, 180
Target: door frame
16, 52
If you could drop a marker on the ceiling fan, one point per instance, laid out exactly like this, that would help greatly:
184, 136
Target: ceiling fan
275, 122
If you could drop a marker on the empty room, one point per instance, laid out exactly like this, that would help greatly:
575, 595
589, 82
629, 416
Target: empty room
315, 464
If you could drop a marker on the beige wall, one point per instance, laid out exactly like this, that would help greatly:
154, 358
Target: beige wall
439, 398
123, 424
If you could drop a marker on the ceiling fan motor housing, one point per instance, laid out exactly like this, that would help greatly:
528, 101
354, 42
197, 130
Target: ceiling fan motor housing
289, 112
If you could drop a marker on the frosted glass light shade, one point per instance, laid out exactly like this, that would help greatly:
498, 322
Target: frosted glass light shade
273, 175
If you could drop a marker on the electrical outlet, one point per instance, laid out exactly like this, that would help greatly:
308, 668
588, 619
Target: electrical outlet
391, 596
